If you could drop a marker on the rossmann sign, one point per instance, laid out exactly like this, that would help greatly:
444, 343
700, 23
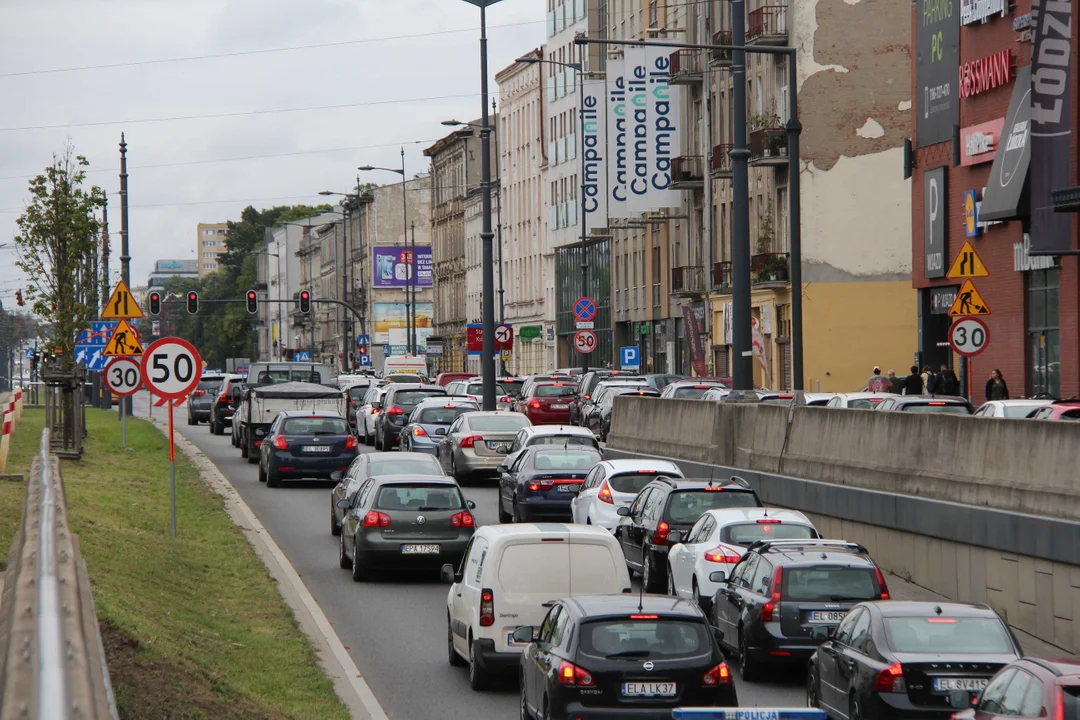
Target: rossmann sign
986, 73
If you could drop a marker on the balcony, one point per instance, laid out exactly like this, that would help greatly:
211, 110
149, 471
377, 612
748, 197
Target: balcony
721, 277
688, 281
769, 270
721, 58
767, 25
721, 161
688, 172
685, 67
768, 145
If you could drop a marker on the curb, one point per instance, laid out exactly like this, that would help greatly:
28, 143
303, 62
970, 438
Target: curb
333, 657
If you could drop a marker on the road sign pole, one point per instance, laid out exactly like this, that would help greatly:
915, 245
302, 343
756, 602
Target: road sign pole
172, 474
123, 426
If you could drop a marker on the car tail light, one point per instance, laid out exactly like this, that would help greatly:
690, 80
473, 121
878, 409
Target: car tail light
719, 675
721, 555
571, 674
712, 488
223, 397
646, 472
258, 443
504, 399
773, 606
395, 411
605, 493
661, 534
198, 393
881, 584
534, 404
1059, 712
419, 431
374, 411
768, 521
534, 487
947, 621
891, 679
350, 442
280, 444
471, 441
463, 519
374, 518
644, 617
487, 608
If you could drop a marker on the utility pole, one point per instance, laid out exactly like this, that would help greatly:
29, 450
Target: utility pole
743, 361
125, 254
346, 351
486, 235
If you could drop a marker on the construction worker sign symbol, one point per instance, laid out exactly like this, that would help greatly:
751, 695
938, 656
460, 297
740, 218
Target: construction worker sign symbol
968, 302
124, 342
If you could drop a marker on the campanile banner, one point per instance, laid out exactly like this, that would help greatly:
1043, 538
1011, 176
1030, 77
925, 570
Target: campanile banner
617, 140
636, 74
595, 158
665, 129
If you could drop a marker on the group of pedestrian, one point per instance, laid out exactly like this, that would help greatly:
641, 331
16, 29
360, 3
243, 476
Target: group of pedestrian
943, 382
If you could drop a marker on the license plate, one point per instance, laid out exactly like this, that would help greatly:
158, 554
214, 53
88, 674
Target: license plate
560, 407
499, 446
949, 684
648, 689
827, 617
316, 448
569, 488
419, 549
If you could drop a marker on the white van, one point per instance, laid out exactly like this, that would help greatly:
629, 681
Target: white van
507, 575
405, 365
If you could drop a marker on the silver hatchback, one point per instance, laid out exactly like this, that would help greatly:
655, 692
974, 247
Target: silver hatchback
478, 442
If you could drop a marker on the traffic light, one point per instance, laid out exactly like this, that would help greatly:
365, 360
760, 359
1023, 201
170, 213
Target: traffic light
252, 301
193, 302
305, 301
19, 297
155, 303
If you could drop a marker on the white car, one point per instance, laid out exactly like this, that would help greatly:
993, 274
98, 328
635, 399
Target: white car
508, 574
858, 400
770, 397
1016, 409
719, 539
613, 484
368, 412
474, 388
691, 389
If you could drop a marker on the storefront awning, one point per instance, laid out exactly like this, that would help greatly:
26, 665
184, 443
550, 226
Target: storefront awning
1005, 186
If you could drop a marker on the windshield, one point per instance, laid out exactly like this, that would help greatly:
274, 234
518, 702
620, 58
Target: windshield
646, 638
777, 401
396, 464
566, 460
442, 415
563, 440
824, 584
947, 635
690, 392
478, 389
419, 497
499, 423
407, 398
951, 409
686, 506
746, 534
314, 426
550, 391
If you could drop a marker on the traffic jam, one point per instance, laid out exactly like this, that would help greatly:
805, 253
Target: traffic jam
611, 588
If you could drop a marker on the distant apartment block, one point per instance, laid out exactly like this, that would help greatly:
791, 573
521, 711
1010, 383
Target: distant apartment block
211, 243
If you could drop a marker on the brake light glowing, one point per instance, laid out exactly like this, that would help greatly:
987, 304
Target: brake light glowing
463, 519
280, 444
891, 679
646, 472
644, 617
374, 411
721, 555
1059, 713
534, 404
940, 620
771, 608
374, 518
768, 521
470, 441
881, 584
935, 403
719, 675
534, 487
661, 534
714, 489
571, 674
199, 393
605, 493
350, 442
395, 411
487, 608
419, 431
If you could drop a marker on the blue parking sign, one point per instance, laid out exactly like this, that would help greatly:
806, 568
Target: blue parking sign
629, 357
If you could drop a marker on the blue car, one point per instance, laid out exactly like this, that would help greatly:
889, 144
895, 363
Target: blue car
306, 444
542, 481
428, 422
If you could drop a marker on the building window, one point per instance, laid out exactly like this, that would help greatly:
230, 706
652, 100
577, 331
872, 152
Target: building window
1044, 346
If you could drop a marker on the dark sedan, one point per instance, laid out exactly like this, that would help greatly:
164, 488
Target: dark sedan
199, 402
598, 418
399, 522
429, 421
893, 660
398, 403
374, 465
302, 444
542, 482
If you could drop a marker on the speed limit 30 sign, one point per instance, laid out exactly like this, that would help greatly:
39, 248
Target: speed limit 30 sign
123, 376
171, 368
969, 336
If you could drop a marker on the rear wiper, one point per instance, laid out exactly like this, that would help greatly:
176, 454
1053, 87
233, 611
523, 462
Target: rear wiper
629, 653
430, 508
844, 598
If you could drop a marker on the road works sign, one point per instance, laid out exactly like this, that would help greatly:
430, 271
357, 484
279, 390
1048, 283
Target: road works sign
124, 342
968, 302
121, 305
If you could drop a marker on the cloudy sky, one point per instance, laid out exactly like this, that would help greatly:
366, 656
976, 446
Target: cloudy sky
205, 134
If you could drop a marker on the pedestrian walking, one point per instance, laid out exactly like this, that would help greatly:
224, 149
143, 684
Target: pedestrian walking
913, 383
928, 379
896, 384
947, 382
877, 383
996, 389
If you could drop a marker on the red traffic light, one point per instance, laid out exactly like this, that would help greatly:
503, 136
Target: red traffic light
193, 302
305, 301
252, 302
155, 303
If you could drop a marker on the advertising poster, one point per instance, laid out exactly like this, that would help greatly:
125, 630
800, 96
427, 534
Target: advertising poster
937, 70
665, 129
393, 265
391, 316
617, 138
595, 155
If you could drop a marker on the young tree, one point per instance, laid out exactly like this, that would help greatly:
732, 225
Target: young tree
57, 242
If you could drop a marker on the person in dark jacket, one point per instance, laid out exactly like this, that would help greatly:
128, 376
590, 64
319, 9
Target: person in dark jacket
946, 382
897, 384
913, 384
996, 389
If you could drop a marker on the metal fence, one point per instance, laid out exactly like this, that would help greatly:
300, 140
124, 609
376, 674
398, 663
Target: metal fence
52, 662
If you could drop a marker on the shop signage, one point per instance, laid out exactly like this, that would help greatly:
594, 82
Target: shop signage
937, 59
934, 238
530, 332
1023, 261
1013, 155
980, 141
981, 10
942, 298
986, 73
973, 224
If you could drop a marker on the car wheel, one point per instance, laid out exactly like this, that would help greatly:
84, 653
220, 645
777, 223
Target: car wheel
648, 574
811, 688
378, 439
855, 711
335, 529
454, 470
452, 654
358, 574
517, 513
697, 592
368, 440
547, 711
272, 480
748, 668
190, 420
343, 560
262, 473
523, 712
478, 677
504, 517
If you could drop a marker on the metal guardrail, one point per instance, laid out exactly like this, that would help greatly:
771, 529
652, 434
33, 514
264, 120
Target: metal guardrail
52, 662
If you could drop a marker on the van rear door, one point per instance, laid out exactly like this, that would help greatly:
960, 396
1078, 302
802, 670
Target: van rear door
532, 570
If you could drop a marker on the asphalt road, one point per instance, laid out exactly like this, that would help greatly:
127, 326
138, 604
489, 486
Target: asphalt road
394, 627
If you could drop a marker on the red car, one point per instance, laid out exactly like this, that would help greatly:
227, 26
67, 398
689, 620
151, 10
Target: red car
1058, 410
1030, 688
548, 403
446, 378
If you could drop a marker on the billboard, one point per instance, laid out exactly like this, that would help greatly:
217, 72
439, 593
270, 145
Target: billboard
595, 154
391, 316
937, 70
393, 265
935, 251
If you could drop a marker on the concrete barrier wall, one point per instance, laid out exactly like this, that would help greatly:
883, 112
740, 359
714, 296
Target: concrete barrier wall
659, 427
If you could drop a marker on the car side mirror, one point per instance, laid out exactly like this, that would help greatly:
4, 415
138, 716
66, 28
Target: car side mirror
718, 576
376, 404
336, 476
598, 438
525, 635
675, 537
470, 504
449, 575
344, 504
821, 633
623, 511
440, 431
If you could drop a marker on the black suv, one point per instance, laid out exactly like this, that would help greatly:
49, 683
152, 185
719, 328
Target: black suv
587, 385
782, 593
224, 403
620, 656
671, 505
398, 403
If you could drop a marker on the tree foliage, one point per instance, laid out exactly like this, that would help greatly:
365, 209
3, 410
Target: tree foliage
57, 242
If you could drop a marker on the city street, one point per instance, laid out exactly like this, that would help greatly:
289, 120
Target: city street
394, 627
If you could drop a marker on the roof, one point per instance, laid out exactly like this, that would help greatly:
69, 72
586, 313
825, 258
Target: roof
491, 413
444, 400
397, 456
837, 552
544, 529
912, 399
301, 390
907, 608
728, 516
414, 386
310, 413
620, 466
633, 604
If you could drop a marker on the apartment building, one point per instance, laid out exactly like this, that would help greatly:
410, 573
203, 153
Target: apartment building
528, 261
210, 244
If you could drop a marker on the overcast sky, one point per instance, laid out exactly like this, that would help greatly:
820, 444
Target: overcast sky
179, 167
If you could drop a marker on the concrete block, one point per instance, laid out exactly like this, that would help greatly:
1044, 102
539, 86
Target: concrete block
978, 583
1044, 566
949, 576
1026, 618
1025, 577
1074, 578
1063, 634
1004, 572
962, 558
996, 599
1044, 617
1062, 592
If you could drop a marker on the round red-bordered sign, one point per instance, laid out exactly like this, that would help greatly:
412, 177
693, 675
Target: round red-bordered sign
969, 336
123, 375
171, 368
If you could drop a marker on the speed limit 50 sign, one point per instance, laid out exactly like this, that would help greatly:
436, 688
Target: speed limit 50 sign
171, 368
969, 336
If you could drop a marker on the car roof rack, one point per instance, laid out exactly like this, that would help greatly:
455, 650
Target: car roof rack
782, 545
1048, 666
741, 481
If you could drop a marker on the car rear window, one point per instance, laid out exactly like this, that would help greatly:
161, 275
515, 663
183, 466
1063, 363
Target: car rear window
443, 415
499, 423
862, 404
645, 638
571, 440
746, 534
946, 635
357, 393
830, 584
315, 426
550, 391
1071, 703
566, 460
512, 387
478, 389
541, 568
686, 506
690, 392
1019, 411
951, 409
1071, 415
397, 464
209, 385
413, 397
419, 497
632, 482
